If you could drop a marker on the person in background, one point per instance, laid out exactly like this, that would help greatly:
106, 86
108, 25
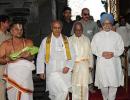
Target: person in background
91, 18
123, 31
128, 31
83, 63
108, 46
67, 22
78, 18
4, 35
99, 25
58, 55
90, 27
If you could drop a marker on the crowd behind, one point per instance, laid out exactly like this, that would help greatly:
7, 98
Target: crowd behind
75, 57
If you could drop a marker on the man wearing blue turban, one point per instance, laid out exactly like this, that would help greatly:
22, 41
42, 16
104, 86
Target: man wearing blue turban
107, 17
108, 45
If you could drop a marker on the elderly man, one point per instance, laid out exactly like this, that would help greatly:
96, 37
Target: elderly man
57, 53
18, 72
108, 45
4, 35
83, 63
90, 27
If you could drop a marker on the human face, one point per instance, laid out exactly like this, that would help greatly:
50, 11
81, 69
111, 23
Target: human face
6, 24
78, 30
85, 15
17, 30
123, 22
67, 14
56, 28
107, 25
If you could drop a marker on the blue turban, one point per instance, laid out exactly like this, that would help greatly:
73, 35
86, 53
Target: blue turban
107, 17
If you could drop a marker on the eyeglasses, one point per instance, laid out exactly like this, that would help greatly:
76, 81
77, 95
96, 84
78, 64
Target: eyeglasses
86, 14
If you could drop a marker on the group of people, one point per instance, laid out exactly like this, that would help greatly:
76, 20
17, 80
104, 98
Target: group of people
65, 63
69, 61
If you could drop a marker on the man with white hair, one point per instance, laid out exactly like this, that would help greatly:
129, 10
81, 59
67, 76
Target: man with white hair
83, 63
57, 53
90, 27
108, 45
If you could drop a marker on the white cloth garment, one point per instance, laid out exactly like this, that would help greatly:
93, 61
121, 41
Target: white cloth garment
109, 93
123, 31
18, 76
83, 61
108, 71
57, 83
128, 30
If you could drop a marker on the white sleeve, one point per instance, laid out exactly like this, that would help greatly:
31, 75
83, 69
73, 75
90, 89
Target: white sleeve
119, 49
94, 48
40, 63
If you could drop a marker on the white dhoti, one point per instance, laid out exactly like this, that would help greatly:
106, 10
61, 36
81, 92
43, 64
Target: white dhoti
58, 84
18, 76
83, 61
80, 81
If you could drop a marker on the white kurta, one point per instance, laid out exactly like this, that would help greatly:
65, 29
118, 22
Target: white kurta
108, 71
57, 82
83, 61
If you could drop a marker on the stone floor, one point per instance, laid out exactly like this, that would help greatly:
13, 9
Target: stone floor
39, 89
